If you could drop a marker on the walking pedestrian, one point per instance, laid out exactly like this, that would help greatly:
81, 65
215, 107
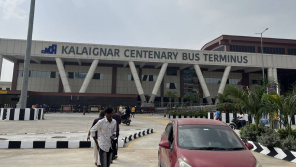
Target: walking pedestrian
106, 128
151, 110
96, 152
133, 111
84, 109
217, 115
117, 117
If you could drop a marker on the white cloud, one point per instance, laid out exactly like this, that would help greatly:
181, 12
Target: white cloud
11, 9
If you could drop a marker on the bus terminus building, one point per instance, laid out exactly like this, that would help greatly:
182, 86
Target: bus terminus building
63, 73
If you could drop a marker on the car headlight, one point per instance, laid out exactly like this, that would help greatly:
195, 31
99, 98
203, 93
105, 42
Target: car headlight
257, 164
182, 163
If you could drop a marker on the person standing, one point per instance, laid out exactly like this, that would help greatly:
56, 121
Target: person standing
133, 111
151, 110
96, 152
106, 128
117, 117
217, 115
84, 109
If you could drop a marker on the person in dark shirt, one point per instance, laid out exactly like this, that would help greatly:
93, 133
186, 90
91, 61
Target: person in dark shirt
117, 117
96, 152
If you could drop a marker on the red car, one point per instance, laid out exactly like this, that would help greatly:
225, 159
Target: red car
203, 143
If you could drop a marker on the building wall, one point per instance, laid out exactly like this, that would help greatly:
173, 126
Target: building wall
172, 79
103, 85
124, 84
39, 84
253, 77
213, 80
149, 85
5, 85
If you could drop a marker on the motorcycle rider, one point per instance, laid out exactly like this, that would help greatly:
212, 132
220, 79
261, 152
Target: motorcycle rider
241, 117
125, 114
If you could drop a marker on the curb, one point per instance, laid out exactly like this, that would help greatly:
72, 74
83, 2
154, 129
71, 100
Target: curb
64, 144
137, 135
274, 152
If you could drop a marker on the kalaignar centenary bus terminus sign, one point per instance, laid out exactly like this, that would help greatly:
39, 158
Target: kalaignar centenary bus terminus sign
139, 53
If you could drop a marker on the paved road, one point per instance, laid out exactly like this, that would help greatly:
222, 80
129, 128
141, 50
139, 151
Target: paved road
138, 153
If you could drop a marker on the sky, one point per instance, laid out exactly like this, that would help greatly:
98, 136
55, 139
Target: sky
182, 24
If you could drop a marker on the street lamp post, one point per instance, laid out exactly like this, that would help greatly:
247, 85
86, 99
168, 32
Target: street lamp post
23, 99
262, 52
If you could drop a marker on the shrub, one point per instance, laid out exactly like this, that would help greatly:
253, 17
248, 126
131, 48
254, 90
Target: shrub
269, 138
289, 143
283, 133
249, 132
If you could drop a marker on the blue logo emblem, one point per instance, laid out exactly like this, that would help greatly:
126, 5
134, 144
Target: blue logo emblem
50, 50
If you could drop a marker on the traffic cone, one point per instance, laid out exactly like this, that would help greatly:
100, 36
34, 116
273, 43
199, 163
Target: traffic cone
83, 112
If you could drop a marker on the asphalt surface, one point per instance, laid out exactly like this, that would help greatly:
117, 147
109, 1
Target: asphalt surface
141, 152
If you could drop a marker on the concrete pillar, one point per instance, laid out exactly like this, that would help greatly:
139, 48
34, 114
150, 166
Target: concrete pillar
158, 82
203, 83
63, 75
275, 77
89, 76
137, 81
1, 61
270, 74
223, 81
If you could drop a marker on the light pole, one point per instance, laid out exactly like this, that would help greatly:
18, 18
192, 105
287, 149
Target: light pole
23, 99
262, 52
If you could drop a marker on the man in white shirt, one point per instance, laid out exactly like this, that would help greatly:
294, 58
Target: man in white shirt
106, 128
242, 119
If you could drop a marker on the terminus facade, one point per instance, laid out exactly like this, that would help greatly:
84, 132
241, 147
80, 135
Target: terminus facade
90, 74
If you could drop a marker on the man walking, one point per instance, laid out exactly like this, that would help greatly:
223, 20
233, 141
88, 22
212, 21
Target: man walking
117, 117
133, 111
106, 128
96, 152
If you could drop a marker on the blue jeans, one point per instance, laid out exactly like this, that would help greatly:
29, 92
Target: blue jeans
243, 122
105, 157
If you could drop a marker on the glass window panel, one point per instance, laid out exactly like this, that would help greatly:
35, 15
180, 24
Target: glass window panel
172, 72
82, 75
20, 73
7, 88
34, 74
0, 88
154, 77
129, 77
43, 74
101, 76
57, 75
70, 74
144, 77
150, 77
76, 75
96, 76
39, 74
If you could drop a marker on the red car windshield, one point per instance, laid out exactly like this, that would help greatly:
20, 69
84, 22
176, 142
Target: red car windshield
208, 137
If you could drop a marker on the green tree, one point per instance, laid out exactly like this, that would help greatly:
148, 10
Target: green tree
286, 106
192, 97
170, 95
255, 103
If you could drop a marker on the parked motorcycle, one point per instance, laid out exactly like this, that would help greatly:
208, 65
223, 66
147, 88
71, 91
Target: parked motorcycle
126, 121
235, 124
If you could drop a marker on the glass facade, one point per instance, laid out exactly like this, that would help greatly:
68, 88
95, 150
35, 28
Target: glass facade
171, 86
149, 77
130, 78
240, 48
171, 72
271, 50
291, 51
191, 81
40, 74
